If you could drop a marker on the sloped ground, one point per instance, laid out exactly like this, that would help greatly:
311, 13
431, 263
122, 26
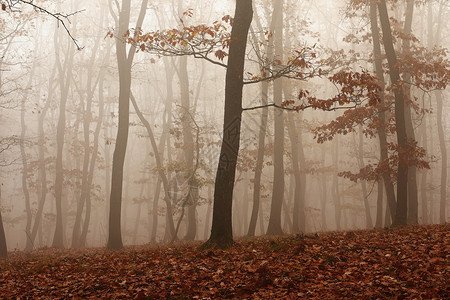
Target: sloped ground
405, 263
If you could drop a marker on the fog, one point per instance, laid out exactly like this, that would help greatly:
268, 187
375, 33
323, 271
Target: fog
320, 167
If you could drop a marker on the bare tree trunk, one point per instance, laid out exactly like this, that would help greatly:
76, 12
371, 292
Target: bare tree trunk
221, 231
401, 210
335, 186
188, 143
87, 112
261, 142
382, 136
443, 148
65, 75
3, 247
298, 160
274, 226
159, 165
439, 116
124, 63
369, 222
26, 193
413, 208
90, 179
41, 157
208, 213
380, 191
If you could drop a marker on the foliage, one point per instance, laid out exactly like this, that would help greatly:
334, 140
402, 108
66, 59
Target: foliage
409, 262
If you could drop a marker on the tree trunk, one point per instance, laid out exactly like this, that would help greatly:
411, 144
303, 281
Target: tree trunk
382, 136
443, 148
380, 191
221, 231
26, 193
400, 217
41, 157
124, 63
65, 75
413, 204
369, 222
93, 161
188, 143
159, 165
274, 227
3, 247
261, 141
335, 186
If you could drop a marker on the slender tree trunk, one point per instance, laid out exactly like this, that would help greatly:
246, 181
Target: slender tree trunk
380, 191
124, 63
274, 227
439, 116
369, 222
413, 203
159, 165
298, 159
208, 213
221, 231
155, 211
65, 75
90, 178
401, 210
26, 193
335, 186
42, 162
3, 247
382, 136
261, 142
188, 143
443, 148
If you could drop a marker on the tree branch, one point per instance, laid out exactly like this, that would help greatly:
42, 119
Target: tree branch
59, 17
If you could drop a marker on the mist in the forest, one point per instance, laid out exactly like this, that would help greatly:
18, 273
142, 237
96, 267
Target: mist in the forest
112, 119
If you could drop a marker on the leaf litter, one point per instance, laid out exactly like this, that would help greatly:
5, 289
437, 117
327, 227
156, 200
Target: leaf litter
404, 263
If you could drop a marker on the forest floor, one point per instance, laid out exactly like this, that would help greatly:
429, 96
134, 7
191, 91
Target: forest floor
405, 263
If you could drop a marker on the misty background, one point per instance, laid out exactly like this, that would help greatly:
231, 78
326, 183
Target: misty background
40, 65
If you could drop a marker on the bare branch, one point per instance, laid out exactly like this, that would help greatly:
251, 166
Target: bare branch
59, 17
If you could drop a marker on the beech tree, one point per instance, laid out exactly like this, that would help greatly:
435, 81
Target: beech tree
221, 231
124, 62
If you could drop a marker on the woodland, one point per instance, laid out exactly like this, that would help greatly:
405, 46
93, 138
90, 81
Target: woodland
232, 149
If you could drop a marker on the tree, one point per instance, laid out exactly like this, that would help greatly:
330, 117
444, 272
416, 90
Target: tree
124, 62
261, 135
61, 18
274, 226
389, 187
221, 231
65, 76
3, 247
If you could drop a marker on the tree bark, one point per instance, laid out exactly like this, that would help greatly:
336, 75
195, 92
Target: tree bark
400, 217
443, 148
261, 141
413, 204
26, 192
3, 246
41, 157
382, 136
335, 186
221, 231
65, 75
274, 227
124, 63
159, 165
369, 222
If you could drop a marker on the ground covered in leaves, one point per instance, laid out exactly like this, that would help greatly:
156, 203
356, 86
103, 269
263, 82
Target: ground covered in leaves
403, 263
